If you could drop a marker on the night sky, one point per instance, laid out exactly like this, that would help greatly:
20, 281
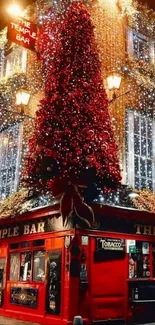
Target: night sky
4, 4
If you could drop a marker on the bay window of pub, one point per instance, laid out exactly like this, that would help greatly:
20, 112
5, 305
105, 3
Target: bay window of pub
27, 262
140, 149
10, 158
140, 46
139, 260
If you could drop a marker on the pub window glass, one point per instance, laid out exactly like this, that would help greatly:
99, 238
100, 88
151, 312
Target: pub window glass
14, 246
39, 242
39, 265
14, 266
139, 261
25, 266
25, 244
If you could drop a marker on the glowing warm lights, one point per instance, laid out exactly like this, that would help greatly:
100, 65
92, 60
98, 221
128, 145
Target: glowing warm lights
24, 60
5, 140
114, 81
14, 10
111, 3
22, 97
127, 8
8, 68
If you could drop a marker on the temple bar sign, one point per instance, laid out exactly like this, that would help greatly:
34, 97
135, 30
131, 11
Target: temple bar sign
41, 225
27, 230
146, 230
22, 32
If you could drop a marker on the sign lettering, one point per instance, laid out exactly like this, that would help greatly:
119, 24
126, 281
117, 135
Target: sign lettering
127, 226
110, 244
42, 225
145, 230
28, 229
23, 32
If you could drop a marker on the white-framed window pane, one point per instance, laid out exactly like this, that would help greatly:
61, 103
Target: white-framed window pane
10, 156
140, 46
1, 61
15, 61
14, 266
25, 266
39, 266
140, 153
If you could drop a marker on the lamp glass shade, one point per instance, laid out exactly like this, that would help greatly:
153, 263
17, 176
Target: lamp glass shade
114, 81
22, 98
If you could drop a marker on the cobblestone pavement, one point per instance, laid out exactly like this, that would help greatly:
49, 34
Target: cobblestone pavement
12, 321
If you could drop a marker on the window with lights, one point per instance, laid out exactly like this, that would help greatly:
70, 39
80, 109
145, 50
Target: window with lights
140, 149
1, 62
27, 261
141, 47
14, 61
10, 158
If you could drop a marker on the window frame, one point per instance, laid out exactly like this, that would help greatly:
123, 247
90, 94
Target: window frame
32, 249
14, 61
1, 62
14, 253
141, 257
5, 133
130, 150
130, 46
34, 253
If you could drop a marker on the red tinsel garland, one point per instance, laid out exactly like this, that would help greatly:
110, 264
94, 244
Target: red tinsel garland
73, 138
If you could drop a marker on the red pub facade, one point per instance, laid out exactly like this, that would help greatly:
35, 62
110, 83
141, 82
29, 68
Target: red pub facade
50, 273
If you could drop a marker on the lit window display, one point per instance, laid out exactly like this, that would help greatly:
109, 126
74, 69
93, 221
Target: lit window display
39, 266
10, 155
139, 260
139, 148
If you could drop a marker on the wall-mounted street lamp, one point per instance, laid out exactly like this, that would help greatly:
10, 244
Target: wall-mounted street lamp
22, 99
113, 83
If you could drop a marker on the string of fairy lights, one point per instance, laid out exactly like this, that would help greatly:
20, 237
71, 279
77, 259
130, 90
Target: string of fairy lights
112, 20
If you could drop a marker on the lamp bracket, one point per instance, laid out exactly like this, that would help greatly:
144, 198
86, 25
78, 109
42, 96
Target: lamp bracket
115, 97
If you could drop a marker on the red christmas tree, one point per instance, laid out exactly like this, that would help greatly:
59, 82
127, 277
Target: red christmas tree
73, 139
